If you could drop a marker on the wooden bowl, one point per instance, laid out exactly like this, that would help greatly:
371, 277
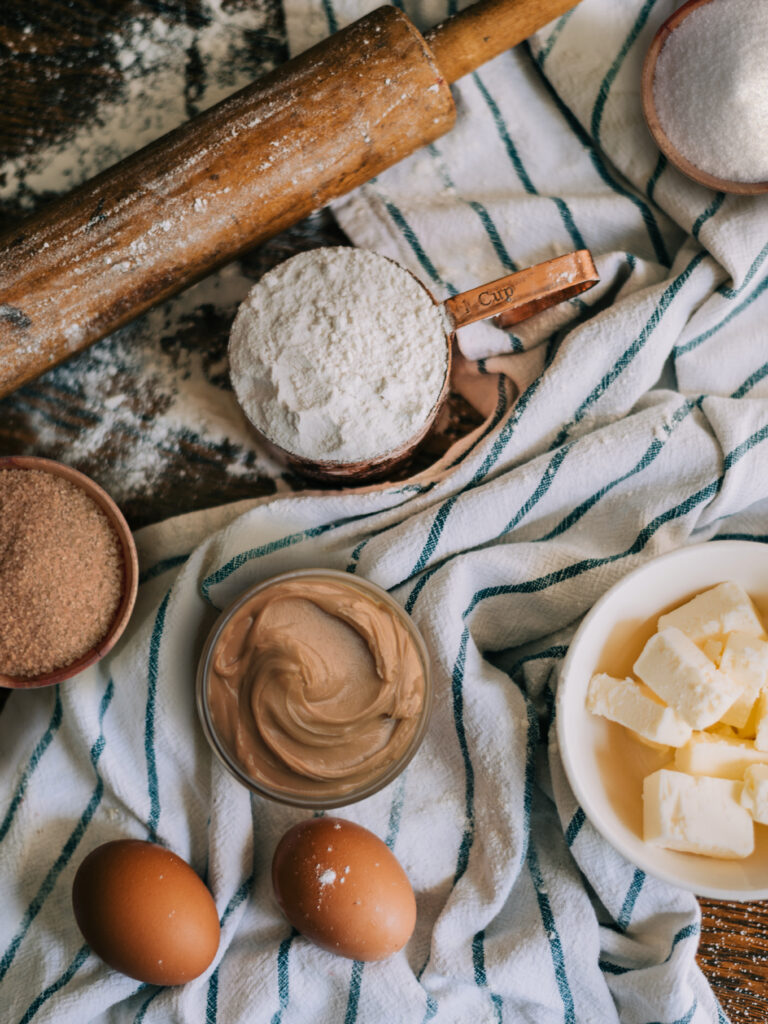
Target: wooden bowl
745, 188
130, 570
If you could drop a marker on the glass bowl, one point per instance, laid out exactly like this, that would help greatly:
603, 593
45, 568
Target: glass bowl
293, 684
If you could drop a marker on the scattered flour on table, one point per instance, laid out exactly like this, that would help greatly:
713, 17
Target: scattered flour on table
338, 355
144, 391
153, 98
130, 403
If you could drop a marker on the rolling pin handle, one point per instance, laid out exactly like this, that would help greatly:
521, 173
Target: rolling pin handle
478, 33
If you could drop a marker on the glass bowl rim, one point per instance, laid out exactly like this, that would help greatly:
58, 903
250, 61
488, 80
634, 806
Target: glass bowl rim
319, 802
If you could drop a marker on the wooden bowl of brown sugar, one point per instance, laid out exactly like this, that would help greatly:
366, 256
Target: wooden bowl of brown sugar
68, 572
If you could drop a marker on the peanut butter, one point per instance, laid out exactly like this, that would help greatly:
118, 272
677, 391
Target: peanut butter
315, 687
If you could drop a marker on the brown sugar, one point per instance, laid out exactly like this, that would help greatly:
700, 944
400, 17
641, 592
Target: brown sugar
61, 573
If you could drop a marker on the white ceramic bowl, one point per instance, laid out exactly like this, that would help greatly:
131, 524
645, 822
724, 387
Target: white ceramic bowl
604, 764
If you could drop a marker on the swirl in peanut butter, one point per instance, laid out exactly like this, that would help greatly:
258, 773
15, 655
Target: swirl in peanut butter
314, 686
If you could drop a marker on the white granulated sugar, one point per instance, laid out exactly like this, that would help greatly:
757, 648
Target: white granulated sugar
711, 89
338, 355
328, 877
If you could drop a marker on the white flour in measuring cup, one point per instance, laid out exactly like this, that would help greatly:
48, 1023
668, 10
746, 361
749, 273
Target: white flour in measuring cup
338, 355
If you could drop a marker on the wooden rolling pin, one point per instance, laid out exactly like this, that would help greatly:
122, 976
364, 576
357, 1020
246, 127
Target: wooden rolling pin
259, 161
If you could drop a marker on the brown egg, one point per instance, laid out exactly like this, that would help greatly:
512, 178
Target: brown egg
340, 885
145, 912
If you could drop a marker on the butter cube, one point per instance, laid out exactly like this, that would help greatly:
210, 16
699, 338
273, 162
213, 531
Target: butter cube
754, 795
725, 608
760, 716
745, 660
696, 815
724, 756
713, 649
638, 708
683, 676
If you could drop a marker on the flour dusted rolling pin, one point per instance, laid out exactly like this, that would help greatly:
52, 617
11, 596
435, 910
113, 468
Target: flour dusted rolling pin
239, 173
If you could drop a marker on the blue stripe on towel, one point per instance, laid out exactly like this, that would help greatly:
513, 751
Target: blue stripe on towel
283, 988
70, 845
554, 35
574, 827
457, 684
501, 127
485, 218
56, 986
330, 16
733, 293
435, 531
602, 170
710, 211
354, 992
410, 236
212, 998
271, 547
555, 651
149, 719
393, 828
661, 165
41, 747
553, 937
163, 566
749, 383
610, 77
355, 556
625, 914
680, 350
541, 489
654, 449
608, 968
586, 565
145, 1005
481, 979
431, 1010
632, 351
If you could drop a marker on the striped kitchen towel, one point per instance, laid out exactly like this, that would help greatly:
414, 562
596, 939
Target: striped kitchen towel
635, 421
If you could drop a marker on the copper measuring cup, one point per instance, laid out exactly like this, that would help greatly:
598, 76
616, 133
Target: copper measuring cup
510, 299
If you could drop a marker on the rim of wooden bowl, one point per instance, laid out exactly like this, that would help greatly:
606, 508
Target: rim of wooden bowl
661, 139
130, 570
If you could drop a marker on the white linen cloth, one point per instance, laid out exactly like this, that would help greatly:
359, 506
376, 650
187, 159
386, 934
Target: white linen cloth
640, 426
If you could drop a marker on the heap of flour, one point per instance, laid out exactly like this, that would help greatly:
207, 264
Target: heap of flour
338, 355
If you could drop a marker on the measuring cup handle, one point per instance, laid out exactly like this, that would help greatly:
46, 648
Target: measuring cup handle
517, 296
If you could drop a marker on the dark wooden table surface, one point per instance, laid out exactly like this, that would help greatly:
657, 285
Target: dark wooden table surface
82, 84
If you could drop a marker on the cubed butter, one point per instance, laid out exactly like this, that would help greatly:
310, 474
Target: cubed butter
724, 756
745, 660
754, 794
760, 717
635, 706
725, 608
683, 676
696, 815
713, 649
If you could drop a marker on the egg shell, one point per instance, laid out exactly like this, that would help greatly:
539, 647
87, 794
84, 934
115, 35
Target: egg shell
145, 912
341, 886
